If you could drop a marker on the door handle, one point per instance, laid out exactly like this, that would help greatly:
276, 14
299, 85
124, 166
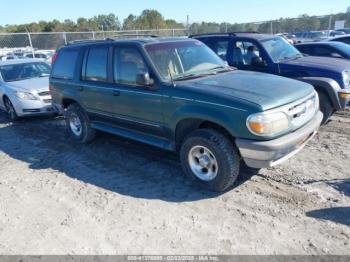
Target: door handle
80, 88
116, 93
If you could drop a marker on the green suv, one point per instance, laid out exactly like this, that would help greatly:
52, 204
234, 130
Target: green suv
178, 95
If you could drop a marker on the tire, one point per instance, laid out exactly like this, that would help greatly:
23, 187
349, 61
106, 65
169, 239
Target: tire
222, 153
325, 107
78, 123
10, 110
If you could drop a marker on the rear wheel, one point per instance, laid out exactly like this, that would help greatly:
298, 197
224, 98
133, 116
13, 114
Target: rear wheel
210, 159
79, 125
10, 110
325, 107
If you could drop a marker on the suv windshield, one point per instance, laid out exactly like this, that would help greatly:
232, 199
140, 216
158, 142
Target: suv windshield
17, 72
184, 59
279, 49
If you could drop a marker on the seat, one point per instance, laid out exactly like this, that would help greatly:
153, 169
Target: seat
238, 56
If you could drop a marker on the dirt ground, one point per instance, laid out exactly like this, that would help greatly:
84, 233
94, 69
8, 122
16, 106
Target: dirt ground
120, 197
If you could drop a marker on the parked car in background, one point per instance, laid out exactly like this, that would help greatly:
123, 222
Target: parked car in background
178, 95
344, 39
290, 40
345, 30
9, 57
24, 88
326, 49
334, 33
274, 55
312, 36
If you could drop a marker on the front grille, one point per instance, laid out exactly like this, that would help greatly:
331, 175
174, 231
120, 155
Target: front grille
47, 101
302, 112
45, 93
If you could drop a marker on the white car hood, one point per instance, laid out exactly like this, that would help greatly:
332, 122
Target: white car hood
39, 84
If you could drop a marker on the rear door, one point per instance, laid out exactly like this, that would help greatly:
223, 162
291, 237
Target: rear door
96, 90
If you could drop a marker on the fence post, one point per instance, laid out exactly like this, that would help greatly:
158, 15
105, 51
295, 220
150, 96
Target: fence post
93, 35
31, 43
65, 38
173, 32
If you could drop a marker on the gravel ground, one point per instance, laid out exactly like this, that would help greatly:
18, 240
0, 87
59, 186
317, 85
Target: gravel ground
120, 197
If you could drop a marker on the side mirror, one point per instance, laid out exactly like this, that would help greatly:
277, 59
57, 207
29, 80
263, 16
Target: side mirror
143, 79
258, 62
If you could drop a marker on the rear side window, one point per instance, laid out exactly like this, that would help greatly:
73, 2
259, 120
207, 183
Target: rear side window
65, 64
96, 64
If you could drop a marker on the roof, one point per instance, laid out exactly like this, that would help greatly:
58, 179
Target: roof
329, 43
137, 40
20, 61
339, 37
253, 35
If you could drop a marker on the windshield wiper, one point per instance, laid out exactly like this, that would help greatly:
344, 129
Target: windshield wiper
189, 76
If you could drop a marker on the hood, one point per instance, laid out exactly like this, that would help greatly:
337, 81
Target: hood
267, 91
33, 84
317, 62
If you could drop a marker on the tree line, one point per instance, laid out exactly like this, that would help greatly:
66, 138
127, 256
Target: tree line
152, 19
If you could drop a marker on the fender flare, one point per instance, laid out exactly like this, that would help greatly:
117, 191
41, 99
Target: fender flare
327, 85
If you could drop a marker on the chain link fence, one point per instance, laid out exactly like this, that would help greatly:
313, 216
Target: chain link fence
11, 43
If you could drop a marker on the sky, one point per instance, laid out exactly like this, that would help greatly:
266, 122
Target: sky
20, 11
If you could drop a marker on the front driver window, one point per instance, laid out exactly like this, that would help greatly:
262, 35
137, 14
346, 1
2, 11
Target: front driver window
244, 53
128, 63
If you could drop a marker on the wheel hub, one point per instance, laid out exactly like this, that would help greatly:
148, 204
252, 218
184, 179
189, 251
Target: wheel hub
75, 125
203, 163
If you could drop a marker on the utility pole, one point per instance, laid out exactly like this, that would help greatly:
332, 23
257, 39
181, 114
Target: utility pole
271, 25
330, 23
30, 42
188, 25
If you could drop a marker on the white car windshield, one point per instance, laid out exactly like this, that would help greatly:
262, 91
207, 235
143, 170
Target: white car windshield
183, 59
17, 72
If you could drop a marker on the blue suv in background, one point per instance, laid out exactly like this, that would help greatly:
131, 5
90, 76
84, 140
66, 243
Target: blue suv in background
273, 54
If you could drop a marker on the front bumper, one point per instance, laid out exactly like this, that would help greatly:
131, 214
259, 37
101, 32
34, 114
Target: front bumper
263, 154
344, 97
33, 107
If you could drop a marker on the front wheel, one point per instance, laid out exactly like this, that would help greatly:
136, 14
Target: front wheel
325, 107
210, 159
10, 110
78, 124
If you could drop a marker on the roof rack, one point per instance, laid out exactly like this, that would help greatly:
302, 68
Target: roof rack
87, 41
132, 35
227, 33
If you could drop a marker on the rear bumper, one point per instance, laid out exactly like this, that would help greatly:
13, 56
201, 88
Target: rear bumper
344, 98
263, 154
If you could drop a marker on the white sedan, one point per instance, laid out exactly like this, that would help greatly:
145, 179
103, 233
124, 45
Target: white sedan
24, 88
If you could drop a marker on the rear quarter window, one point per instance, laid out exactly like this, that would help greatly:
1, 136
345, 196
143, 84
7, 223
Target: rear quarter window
65, 64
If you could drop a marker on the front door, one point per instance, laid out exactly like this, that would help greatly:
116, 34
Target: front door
138, 107
247, 56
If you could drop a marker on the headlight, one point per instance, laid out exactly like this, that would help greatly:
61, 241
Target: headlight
25, 96
268, 124
346, 78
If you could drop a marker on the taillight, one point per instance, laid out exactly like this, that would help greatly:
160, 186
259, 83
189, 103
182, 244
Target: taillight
54, 58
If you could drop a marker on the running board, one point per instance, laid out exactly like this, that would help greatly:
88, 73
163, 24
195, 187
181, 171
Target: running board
133, 135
